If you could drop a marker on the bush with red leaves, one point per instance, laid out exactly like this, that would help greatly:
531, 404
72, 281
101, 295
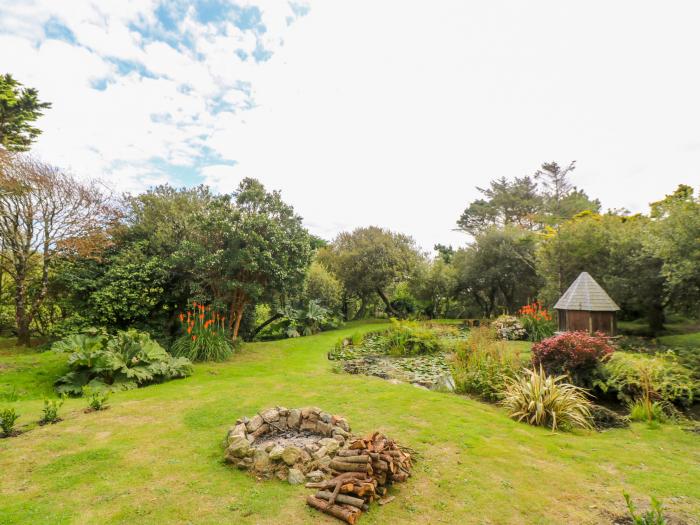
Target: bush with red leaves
576, 354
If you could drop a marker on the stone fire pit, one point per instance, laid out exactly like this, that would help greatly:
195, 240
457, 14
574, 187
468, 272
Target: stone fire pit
295, 444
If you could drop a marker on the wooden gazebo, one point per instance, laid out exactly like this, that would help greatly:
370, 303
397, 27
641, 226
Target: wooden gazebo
586, 306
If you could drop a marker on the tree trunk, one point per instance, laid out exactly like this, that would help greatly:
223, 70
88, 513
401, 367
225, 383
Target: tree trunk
656, 318
385, 300
361, 312
239, 316
22, 316
263, 325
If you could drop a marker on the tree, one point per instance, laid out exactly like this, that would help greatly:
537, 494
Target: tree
434, 282
246, 247
507, 203
561, 199
42, 210
675, 240
498, 269
19, 107
371, 260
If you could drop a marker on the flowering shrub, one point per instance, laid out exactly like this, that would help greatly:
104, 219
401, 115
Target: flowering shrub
576, 354
206, 338
508, 328
537, 321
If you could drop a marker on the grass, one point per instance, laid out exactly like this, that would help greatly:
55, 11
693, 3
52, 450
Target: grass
155, 455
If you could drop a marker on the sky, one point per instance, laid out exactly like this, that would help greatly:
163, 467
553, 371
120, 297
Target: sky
364, 112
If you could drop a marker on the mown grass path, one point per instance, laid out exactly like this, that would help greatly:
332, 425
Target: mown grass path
156, 455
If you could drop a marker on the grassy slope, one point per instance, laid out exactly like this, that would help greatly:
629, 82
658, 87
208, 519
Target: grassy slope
155, 455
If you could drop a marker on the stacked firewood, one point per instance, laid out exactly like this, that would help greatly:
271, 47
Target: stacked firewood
361, 474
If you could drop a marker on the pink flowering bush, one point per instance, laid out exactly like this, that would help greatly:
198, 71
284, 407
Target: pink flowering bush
576, 354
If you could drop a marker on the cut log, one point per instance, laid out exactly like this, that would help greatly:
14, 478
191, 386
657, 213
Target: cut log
350, 467
355, 459
343, 498
342, 513
344, 453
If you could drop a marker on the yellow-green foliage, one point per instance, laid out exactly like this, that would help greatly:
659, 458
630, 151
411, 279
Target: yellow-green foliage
655, 378
542, 400
482, 363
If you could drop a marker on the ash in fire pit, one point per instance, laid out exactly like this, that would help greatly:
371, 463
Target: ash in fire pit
292, 444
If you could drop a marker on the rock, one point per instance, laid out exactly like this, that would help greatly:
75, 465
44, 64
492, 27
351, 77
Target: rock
605, 418
325, 417
270, 415
324, 462
340, 422
340, 439
282, 423
291, 455
340, 432
254, 423
238, 447
293, 418
315, 476
282, 473
323, 428
276, 452
295, 476
307, 425
269, 447
331, 444
283, 411
323, 451
305, 456
261, 461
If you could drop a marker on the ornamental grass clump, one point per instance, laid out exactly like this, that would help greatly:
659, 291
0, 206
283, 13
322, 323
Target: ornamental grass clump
577, 355
545, 400
482, 363
205, 338
537, 321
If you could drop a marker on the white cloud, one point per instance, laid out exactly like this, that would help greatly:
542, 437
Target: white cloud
381, 113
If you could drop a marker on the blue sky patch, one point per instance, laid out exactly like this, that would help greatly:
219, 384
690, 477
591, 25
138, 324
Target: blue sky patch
54, 29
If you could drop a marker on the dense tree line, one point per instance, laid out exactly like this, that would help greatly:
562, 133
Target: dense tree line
74, 257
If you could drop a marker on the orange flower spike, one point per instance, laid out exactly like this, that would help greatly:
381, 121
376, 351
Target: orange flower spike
189, 330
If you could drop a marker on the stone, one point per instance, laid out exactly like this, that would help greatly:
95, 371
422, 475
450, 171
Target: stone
340, 432
281, 424
254, 423
276, 452
238, 447
295, 477
340, 439
282, 473
270, 415
291, 455
330, 444
323, 451
341, 422
324, 462
283, 411
315, 476
293, 418
323, 428
261, 461
307, 425
305, 456
325, 417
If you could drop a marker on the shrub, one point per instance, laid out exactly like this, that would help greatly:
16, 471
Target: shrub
96, 398
409, 338
8, 417
126, 360
482, 364
649, 378
576, 354
536, 321
653, 516
50, 411
508, 328
545, 400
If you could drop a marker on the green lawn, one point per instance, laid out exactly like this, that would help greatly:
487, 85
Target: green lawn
155, 455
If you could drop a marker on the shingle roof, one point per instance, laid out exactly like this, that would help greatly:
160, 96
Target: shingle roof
586, 294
